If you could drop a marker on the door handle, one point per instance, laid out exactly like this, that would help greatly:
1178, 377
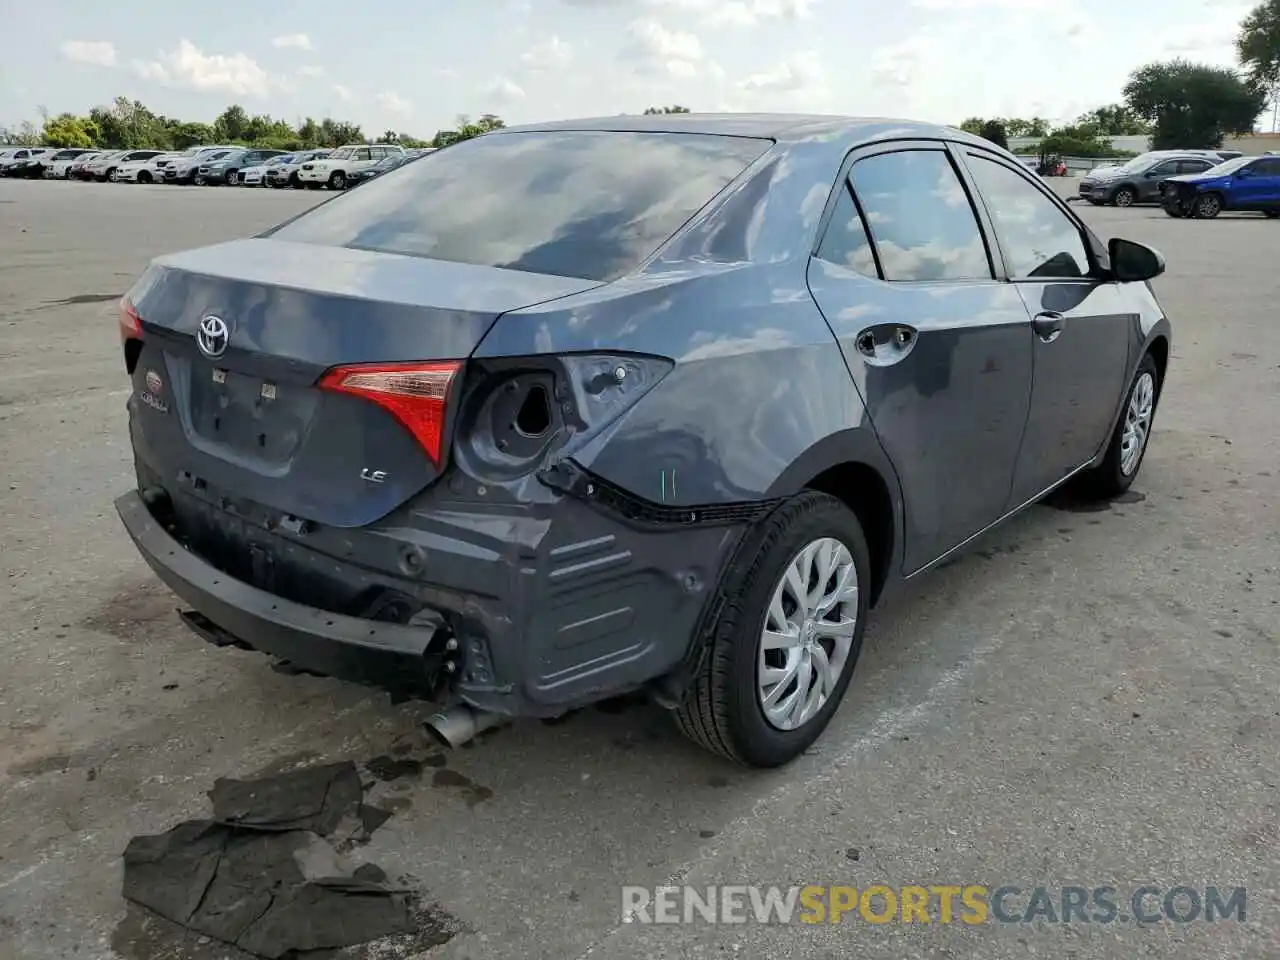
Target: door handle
1048, 325
885, 343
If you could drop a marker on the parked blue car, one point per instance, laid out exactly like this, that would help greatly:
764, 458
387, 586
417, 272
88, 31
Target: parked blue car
641, 403
1245, 183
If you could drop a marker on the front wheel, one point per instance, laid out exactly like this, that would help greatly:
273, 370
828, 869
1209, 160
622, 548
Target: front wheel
338, 181
112, 175
1124, 197
231, 178
783, 648
144, 176
1208, 206
1129, 440
1271, 214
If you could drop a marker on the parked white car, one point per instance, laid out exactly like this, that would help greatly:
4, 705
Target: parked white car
256, 176
286, 174
60, 168
143, 171
183, 170
11, 158
332, 171
107, 166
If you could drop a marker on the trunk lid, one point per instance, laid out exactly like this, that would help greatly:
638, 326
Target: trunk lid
250, 422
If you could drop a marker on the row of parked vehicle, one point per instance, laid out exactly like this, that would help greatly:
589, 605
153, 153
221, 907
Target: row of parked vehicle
1189, 183
335, 169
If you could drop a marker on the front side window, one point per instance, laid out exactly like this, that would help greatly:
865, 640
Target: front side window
581, 203
920, 217
1038, 239
1168, 168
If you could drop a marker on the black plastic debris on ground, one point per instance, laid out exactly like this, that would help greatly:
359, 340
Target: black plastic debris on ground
262, 874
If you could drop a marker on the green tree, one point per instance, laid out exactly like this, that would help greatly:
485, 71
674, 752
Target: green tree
649, 111
466, 129
68, 130
994, 131
190, 134
1258, 46
1115, 120
1192, 105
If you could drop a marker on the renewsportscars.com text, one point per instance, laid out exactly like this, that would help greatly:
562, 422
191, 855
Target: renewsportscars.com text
937, 903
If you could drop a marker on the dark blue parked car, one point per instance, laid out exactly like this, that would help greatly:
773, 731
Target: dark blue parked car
1245, 183
660, 403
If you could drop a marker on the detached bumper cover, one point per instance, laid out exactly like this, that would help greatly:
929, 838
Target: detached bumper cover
352, 648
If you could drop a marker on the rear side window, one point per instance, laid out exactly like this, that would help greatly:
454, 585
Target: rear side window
588, 204
1193, 166
846, 243
1037, 238
920, 217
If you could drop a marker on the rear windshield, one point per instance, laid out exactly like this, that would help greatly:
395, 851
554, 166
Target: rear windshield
588, 204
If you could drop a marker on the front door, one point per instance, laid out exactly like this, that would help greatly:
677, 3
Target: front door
1080, 328
1260, 188
940, 349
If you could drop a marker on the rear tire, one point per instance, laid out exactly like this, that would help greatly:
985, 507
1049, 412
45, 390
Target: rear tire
725, 707
294, 181
1120, 466
1271, 214
112, 175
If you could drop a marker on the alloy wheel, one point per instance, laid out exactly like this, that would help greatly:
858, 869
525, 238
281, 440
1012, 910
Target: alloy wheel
1137, 423
1124, 197
808, 633
1208, 206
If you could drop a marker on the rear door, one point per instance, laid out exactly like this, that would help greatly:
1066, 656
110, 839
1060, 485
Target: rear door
939, 348
1081, 327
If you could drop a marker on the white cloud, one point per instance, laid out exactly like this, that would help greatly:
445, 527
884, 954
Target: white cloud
344, 94
392, 102
658, 49
738, 12
798, 82
548, 55
101, 53
310, 70
189, 67
293, 41
504, 90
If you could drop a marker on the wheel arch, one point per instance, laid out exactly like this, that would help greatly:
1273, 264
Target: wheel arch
1159, 350
852, 467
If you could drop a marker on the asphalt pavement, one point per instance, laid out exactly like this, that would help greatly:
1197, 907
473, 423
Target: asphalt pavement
1085, 698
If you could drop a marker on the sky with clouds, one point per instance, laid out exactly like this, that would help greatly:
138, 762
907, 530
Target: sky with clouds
414, 65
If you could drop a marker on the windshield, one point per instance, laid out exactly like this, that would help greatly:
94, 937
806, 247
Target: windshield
1231, 166
588, 204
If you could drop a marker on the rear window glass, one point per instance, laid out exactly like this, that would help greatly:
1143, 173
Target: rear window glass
589, 204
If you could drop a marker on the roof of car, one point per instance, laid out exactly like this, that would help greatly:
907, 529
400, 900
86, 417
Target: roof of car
785, 127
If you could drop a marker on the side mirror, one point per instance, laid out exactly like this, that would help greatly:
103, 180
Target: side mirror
1131, 261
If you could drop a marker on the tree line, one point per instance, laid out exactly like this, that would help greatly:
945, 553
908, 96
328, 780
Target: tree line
130, 125
1177, 102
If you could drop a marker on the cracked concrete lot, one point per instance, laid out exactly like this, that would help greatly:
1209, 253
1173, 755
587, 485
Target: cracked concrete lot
1084, 698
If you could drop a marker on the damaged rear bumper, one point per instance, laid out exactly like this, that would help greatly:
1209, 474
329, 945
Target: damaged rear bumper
381, 654
527, 609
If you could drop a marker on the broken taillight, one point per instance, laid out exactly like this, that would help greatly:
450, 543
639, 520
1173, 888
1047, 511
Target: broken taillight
130, 322
416, 394
130, 334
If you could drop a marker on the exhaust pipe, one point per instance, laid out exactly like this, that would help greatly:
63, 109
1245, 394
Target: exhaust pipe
457, 725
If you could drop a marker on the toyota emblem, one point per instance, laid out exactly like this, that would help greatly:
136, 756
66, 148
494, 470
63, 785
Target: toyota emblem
213, 336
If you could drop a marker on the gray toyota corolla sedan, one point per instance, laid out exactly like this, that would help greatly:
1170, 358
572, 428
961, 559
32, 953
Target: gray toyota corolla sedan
643, 403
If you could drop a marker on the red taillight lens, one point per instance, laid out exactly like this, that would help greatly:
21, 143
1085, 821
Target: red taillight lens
130, 322
416, 394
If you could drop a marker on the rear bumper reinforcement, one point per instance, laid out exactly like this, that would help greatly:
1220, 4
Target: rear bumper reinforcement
386, 655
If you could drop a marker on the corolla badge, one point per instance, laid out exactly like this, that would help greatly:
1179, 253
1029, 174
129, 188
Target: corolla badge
213, 336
